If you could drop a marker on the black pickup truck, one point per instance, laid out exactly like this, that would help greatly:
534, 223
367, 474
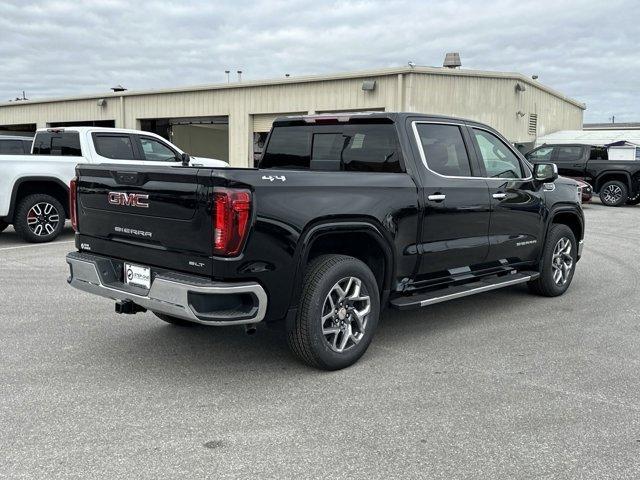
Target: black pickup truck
616, 181
347, 215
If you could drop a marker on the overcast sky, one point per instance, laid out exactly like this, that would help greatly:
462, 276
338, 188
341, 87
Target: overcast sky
586, 49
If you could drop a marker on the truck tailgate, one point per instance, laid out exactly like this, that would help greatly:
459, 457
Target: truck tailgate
152, 215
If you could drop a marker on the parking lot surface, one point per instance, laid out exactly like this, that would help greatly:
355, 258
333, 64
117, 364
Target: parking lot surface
500, 385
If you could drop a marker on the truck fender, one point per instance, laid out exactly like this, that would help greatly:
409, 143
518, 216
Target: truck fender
22, 180
314, 232
553, 213
598, 180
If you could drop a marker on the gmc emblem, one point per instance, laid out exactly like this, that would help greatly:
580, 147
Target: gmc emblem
128, 199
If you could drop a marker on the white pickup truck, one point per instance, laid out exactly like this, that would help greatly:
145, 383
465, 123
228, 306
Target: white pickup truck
34, 188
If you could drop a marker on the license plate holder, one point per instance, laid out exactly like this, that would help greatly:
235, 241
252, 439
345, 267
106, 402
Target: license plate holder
137, 275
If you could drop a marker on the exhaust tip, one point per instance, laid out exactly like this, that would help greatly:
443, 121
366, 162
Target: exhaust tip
250, 329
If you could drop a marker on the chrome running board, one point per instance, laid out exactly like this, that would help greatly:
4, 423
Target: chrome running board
459, 291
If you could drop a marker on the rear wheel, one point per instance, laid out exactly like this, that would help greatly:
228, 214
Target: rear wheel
174, 320
613, 193
39, 218
635, 200
338, 313
558, 263
3, 226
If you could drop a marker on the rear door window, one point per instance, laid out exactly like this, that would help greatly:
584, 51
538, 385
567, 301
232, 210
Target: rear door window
117, 147
66, 144
444, 149
351, 148
11, 147
569, 154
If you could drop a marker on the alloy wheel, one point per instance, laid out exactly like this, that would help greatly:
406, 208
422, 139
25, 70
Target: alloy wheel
612, 194
43, 219
345, 313
562, 261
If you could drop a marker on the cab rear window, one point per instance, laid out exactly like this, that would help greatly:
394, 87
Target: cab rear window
65, 144
352, 148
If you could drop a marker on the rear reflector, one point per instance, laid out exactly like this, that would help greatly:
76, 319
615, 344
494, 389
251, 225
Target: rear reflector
231, 215
73, 203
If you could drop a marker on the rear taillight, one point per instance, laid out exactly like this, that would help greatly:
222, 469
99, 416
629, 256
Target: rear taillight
73, 203
231, 215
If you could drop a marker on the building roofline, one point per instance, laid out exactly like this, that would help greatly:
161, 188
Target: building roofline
310, 79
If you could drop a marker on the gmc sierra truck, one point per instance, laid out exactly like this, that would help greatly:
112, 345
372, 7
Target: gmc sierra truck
34, 189
616, 181
345, 216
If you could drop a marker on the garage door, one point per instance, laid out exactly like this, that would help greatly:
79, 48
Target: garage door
263, 122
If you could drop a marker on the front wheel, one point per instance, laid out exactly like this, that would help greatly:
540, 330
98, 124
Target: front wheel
613, 193
558, 263
3, 226
338, 313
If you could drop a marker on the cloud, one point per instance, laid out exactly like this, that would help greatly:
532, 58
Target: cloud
585, 49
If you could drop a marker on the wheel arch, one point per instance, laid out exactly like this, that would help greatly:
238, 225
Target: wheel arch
38, 184
608, 175
359, 238
566, 216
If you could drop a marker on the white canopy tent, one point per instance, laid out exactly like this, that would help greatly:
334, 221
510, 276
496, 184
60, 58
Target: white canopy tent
590, 137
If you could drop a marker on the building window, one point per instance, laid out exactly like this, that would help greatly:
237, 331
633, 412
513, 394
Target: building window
533, 123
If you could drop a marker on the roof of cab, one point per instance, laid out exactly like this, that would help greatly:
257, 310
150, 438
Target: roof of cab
347, 117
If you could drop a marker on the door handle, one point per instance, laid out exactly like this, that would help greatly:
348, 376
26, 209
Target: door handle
499, 196
437, 197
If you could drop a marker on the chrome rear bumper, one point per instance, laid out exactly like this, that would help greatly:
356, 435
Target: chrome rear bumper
184, 296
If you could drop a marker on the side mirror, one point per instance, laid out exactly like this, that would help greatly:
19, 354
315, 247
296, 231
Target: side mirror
545, 172
185, 158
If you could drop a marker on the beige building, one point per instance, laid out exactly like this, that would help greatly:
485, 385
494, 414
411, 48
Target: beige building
229, 121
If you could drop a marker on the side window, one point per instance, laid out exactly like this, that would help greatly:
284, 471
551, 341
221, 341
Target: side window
156, 151
569, 154
542, 154
444, 149
11, 147
117, 147
26, 145
599, 153
499, 161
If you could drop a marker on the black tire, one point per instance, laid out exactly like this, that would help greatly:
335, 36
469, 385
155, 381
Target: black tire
635, 200
3, 226
174, 320
545, 284
613, 193
305, 334
24, 212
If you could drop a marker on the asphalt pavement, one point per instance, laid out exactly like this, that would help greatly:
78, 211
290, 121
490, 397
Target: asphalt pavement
499, 385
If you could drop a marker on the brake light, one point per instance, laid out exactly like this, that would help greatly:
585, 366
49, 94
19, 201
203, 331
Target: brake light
73, 203
231, 214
